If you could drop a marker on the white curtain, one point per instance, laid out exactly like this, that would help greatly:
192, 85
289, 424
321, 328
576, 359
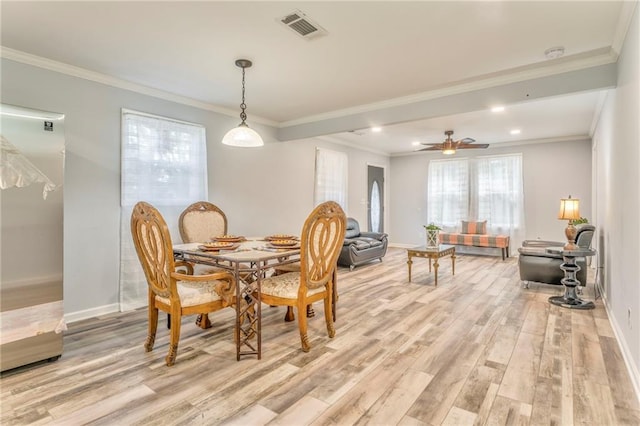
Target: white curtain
164, 162
484, 188
331, 177
448, 193
500, 196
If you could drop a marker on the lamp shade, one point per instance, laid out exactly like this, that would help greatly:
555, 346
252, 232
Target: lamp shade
242, 136
569, 208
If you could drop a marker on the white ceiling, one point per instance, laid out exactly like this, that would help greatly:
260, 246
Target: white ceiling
377, 56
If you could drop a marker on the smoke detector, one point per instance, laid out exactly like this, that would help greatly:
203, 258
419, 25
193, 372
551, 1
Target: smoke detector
304, 26
554, 52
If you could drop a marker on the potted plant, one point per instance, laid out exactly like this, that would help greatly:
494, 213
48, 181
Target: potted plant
433, 231
581, 220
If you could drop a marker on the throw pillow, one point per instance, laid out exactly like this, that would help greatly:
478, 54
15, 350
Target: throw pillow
474, 227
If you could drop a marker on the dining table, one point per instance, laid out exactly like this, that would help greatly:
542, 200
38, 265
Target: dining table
249, 260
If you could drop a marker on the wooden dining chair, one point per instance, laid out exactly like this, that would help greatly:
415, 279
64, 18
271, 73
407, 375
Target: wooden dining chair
321, 240
202, 221
173, 292
199, 223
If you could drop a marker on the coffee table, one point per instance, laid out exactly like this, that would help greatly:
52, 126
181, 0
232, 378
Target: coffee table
433, 253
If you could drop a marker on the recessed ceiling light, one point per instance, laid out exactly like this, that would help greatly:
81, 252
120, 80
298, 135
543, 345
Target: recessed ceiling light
376, 129
554, 52
415, 143
497, 109
515, 132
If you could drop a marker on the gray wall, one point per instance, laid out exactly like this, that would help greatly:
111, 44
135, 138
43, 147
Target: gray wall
261, 190
546, 167
617, 200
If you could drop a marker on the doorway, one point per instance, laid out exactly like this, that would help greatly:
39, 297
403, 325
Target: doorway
375, 201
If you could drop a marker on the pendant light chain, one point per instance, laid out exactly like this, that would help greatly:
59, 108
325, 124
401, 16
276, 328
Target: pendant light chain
243, 136
243, 106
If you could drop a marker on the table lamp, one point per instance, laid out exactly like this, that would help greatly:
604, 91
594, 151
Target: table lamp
570, 210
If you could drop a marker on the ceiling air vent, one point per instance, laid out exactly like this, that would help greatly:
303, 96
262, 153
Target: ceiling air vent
302, 25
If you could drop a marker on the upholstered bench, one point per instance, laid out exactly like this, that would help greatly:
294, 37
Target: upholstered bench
474, 235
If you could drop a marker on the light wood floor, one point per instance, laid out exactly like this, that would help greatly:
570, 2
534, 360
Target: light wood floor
478, 349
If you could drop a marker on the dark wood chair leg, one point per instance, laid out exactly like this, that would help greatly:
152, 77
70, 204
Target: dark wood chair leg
290, 316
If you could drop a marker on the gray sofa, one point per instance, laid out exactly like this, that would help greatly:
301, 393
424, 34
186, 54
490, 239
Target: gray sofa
361, 247
537, 265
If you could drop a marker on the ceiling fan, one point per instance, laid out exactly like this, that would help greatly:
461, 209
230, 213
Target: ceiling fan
449, 146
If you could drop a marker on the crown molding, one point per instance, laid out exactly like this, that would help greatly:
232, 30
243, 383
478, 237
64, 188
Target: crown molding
585, 60
624, 21
71, 70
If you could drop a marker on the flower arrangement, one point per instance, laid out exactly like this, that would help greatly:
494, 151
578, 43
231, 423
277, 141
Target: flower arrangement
581, 220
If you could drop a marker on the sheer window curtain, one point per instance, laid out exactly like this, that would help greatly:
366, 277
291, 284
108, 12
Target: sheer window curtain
331, 177
484, 188
448, 193
500, 195
164, 162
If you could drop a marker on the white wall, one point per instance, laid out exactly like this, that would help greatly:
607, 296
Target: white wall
617, 196
551, 171
261, 190
275, 190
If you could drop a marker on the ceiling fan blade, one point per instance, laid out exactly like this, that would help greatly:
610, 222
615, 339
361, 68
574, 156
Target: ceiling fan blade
432, 148
470, 146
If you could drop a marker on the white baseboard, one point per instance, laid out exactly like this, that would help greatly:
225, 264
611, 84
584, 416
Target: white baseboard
626, 353
90, 313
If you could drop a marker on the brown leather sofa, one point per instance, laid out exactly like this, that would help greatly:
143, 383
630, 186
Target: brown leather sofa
361, 247
537, 265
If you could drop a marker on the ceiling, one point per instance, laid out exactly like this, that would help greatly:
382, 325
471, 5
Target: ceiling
414, 68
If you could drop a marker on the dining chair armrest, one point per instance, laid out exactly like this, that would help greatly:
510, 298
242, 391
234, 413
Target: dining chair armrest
225, 286
222, 275
184, 264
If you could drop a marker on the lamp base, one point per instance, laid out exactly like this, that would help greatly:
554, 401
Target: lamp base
570, 232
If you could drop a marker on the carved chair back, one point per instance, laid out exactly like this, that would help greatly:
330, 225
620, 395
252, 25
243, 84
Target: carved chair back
202, 221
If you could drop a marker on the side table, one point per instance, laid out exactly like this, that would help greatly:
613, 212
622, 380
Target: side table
433, 253
570, 299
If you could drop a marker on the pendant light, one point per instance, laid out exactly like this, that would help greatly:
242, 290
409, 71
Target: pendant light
242, 135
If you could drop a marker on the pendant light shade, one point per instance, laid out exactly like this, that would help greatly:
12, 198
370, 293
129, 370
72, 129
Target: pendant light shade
243, 136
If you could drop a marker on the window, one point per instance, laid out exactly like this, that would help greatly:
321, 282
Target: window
499, 189
164, 162
448, 192
483, 188
331, 177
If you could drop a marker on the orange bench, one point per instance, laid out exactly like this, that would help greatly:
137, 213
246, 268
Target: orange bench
477, 240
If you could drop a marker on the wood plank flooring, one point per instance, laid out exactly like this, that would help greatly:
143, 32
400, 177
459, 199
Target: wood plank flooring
477, 350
